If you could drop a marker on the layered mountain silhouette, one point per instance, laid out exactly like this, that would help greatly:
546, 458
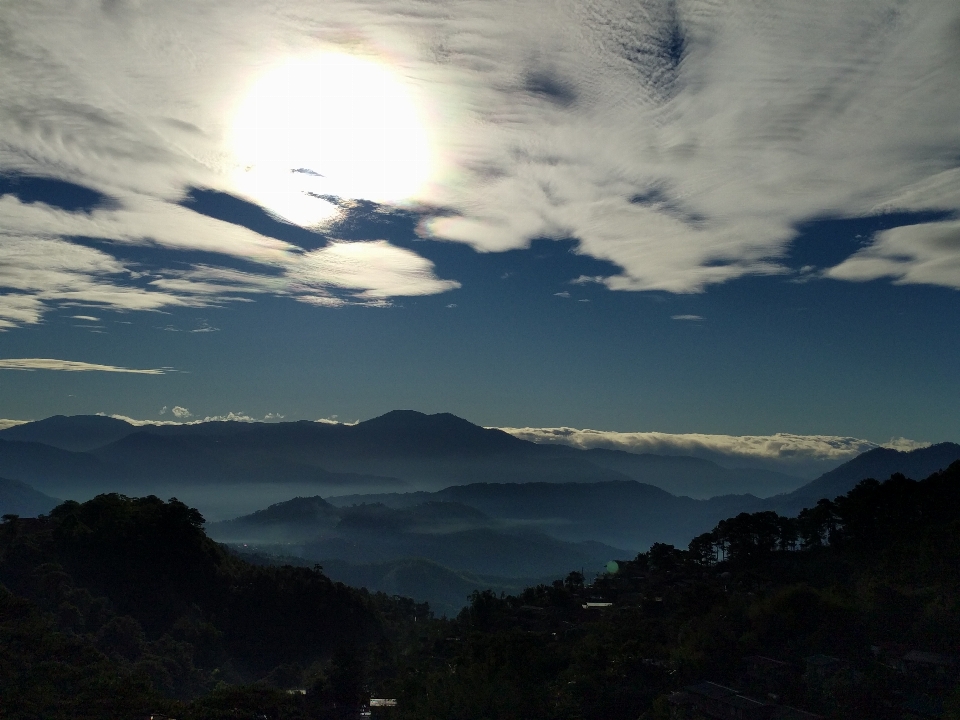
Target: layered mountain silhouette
412, 500
879, 464
402, 449
18, 498
76, 432
450, 534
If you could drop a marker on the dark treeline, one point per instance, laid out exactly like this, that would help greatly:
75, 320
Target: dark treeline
120, 607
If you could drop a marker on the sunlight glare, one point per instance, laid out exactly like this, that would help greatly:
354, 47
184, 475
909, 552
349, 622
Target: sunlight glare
329, 125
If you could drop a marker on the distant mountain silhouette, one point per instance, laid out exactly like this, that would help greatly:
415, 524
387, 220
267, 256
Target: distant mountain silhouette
53, 470
879, 463
18, 498
400, 448
695, 477
78, 433
621, 513
452, 534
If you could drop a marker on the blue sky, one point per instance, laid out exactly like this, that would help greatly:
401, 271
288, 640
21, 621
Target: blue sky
631, 217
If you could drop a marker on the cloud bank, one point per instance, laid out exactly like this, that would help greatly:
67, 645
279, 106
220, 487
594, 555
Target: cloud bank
30, 364
682, 140
806, 455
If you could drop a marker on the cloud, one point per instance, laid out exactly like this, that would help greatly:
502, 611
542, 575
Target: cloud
89, 318
71, 366
563, 294
924, 254
228, 417
808, 454
4, 423
686, 317
374, 269
181, 413
683, 142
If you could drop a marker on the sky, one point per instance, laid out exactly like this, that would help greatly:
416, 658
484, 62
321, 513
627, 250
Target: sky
679, 218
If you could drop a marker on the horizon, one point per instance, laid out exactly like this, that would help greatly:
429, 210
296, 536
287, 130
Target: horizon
659, 220
803, 457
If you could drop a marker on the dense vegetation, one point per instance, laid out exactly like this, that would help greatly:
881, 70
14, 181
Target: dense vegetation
119, 607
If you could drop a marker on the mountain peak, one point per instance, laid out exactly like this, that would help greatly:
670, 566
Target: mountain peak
71, 432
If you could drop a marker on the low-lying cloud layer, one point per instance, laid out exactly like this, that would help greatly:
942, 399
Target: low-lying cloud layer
805, 455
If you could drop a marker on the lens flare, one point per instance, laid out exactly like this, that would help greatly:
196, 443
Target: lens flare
329, 125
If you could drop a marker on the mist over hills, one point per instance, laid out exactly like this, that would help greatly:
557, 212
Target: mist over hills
452, 534
430, 503
402, 450
18, 498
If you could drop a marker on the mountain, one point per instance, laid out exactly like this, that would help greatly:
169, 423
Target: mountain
18, 498
879, 463
622, 513
53, 470
78, 433
451, 534
694, 477
294, 521
401, 449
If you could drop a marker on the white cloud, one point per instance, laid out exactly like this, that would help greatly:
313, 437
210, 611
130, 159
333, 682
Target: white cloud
681, 141
784, 451
89, 318
374, 269
43, 271
139, 423
228, 417
4, 423
927, 254
686, 317
30, 364
181, 413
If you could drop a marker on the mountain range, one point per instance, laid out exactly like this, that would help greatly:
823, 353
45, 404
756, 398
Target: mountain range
83, 455
430, 504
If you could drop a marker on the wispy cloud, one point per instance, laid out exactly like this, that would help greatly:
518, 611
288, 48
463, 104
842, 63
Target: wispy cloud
686, 317
683, 142
5, 423
72, 366
925, 254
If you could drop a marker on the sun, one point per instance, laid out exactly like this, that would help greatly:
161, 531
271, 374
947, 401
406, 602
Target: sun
329, 125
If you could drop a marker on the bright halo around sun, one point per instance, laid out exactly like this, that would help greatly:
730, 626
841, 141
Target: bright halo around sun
329, 125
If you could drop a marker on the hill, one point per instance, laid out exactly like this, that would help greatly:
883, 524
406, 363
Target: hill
79, 433
18, 498
131, 597
622, 513
876, 463
399, 449
451, 534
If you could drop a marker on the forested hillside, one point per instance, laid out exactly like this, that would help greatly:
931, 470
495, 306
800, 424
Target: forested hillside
121, 607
